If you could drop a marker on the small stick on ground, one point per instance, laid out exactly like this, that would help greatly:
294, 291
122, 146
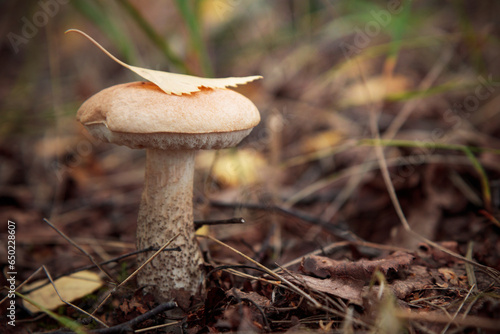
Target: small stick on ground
91, 266
127, 327
68, 303
135, 272
68, 239
199, 223
335, 230
286, 282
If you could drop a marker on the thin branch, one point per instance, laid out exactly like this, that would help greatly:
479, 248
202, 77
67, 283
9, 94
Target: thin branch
70, 304
136, 271
286, 282
458, 310
335, 230
379, 151
396, 124
68, 239
127, 327
115, 259
469, 321
18, 288
199, 223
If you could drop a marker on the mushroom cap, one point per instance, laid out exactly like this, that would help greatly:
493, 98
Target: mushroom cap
141, 115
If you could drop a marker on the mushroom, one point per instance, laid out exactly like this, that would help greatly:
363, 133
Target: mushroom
171, 128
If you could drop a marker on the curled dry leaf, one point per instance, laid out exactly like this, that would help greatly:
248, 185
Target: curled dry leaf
173, 83
324, 267
345, 279
343, 287
259, 300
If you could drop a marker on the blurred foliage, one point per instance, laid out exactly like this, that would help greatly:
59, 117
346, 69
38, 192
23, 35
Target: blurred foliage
428, 70
230, 38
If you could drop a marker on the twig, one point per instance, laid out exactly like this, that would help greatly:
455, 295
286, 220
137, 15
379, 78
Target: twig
18, 288
241, 266
127, 327
68, 303
157, 327
469, 269
493, 273
199, 223
340, 244
396, 124
286, 282
305, 285
248, 276
68, 239
458, 310
136, 271
262, 313
469, 321
115, 259
335, 230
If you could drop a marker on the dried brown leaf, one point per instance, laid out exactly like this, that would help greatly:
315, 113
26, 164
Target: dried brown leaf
324, 267
418, 278
259, 300
343, 287
173, 83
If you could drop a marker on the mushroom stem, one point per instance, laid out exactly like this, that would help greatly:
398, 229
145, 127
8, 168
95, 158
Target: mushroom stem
166, 210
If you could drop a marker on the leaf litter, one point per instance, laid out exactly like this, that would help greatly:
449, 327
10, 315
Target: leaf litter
94, 203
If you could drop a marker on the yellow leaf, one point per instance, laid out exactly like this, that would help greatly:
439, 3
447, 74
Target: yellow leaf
322, 140
173, 83
70, 288
374, 89
218, 12
234, 168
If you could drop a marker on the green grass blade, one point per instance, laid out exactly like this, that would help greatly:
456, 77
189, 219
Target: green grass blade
64, 321
96, 13
485, 183
423, 144
157, 40
467, 150
190, 18
398, 28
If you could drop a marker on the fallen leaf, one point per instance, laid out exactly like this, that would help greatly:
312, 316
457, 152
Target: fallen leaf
173, 83
70, 288
449, 275
374, 89
343, 287
259, 300
125, 307
417, 278
322, 140
324, 267
217, 13
233, 168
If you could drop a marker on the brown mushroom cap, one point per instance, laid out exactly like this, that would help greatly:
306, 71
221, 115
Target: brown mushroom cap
140, 115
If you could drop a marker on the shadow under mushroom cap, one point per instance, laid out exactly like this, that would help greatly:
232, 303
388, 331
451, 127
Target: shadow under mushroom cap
169, 141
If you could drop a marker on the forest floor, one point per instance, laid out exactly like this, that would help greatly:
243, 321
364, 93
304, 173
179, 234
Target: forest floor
370, 190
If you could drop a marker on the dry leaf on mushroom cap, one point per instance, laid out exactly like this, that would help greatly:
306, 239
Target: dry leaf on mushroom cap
173, 83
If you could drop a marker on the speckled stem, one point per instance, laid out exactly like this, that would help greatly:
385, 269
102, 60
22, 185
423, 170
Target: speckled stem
166, 210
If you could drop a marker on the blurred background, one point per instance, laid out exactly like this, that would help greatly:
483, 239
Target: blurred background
424, 70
